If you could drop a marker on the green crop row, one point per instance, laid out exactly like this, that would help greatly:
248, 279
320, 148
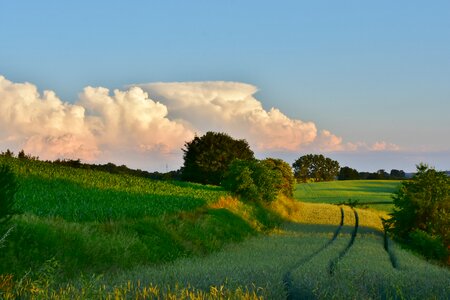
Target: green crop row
86, 195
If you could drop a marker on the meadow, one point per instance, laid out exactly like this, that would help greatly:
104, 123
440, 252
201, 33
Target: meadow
88, 234
375, 194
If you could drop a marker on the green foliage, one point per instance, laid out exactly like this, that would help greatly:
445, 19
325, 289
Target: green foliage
397, 174
286, 185
207, 158
423, 203
347, 173
428, 245
253, 180
8, 189
315, 167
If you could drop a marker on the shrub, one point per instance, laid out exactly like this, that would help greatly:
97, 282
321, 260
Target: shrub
286, 185
252, 180
430, 246
422, 206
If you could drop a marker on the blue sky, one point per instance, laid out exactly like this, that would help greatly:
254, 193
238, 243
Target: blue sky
366, 71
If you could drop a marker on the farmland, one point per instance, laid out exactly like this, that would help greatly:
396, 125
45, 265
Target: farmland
89, 234
375, 194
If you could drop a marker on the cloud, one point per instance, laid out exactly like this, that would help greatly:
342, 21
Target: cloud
97, 127
231, 107
146, 125
384, 146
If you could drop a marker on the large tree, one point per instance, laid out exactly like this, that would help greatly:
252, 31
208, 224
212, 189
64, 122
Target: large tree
206, 158
315, 167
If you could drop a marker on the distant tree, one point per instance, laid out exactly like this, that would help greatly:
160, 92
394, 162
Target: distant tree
347, 173
253, 180
286, 185
382, 174
207, 158
8, 189
315, 167
22, 155
397, 174
421, 215
7, 153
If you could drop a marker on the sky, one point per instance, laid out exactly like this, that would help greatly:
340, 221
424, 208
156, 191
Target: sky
364, 82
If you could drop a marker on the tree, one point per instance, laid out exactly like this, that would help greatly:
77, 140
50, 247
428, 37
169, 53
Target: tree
253, 180
8, 189
347, 173
397, 174
7, 153
207, 158
287, 181
315, 167
421, 214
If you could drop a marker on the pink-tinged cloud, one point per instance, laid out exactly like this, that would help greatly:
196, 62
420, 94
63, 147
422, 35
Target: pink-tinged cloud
98, 125
384, 146
132, 127
231, 107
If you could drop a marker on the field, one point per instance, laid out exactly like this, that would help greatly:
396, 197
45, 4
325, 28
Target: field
85, 234
369, 193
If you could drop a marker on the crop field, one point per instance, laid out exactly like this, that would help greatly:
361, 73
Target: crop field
303, 261
87, 234
84, 195
369, 193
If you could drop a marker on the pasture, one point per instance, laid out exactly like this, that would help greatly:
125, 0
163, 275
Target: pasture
375, 194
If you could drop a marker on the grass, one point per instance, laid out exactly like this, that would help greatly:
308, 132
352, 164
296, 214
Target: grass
375, 194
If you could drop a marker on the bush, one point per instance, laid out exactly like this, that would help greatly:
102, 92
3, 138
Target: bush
422, 211
428, 245
252, 180
286, 185
8, 189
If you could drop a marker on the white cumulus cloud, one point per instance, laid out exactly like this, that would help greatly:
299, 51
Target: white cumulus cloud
99, 126
231, 107
146, 125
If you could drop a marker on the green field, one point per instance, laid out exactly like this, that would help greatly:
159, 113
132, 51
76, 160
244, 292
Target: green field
89, 235
369, 193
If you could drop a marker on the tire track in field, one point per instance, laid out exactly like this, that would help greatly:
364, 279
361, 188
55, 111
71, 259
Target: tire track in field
333, 263
291, 291
389, 251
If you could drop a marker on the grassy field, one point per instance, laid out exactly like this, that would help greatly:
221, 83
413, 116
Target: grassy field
369, 193
296, 260
90, 235
91, 221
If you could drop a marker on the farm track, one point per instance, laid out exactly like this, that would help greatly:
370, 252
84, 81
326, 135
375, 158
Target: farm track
292, 292
390, 251
333, 263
